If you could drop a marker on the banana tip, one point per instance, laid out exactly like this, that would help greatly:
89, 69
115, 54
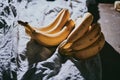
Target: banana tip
22, 23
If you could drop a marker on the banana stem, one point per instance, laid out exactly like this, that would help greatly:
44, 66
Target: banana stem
26, 25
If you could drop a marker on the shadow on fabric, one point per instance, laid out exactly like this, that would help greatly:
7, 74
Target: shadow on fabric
110, 63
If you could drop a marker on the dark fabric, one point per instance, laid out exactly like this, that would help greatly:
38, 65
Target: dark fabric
92, 6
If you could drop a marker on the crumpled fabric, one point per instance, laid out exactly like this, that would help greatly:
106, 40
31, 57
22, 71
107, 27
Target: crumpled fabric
8, 41
25, 61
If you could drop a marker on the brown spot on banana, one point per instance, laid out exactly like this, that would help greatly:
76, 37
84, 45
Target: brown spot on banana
90, 51
89, 38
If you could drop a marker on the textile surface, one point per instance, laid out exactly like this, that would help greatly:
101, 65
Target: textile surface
20, 57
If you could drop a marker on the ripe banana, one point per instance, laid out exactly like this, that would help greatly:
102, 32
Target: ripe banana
54, 23
90, 51
60, 24
50, 39
55, 26
82, 26
61, 49
89, 38
28, 28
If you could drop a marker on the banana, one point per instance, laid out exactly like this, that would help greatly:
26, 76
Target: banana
28, 28
55, 26
60, 24
61, 49
50, 39
89, 38
54, 23
90, 51
82, 26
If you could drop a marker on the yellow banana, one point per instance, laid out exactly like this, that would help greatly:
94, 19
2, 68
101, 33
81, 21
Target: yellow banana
60, 24
62, 50
89, 38
54, 23
51, 25
28, 28
90, 51
50, 39
82, 26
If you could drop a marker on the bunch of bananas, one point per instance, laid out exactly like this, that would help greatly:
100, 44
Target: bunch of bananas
54, 33
85, 41
79, 39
